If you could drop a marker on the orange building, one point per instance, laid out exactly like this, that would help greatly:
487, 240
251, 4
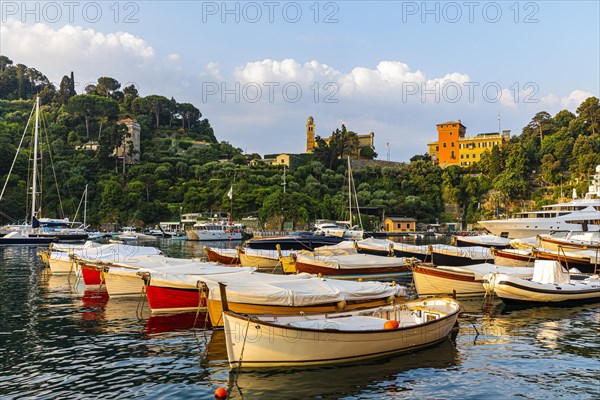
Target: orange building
454, 148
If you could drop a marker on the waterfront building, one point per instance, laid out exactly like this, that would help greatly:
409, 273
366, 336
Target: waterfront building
400, 224
453, 147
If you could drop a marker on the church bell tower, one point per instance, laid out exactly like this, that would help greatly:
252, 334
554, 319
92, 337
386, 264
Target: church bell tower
310, 135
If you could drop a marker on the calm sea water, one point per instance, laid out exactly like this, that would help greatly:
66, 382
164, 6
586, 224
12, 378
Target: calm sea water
59, 341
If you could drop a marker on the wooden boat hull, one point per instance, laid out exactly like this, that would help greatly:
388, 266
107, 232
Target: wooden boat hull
166, 299
354, 272
451, 260
583, 264
509, 259
215, 256
434, 281
62, 266
120, 285
254, 343
257, 261
92, 275
554, 244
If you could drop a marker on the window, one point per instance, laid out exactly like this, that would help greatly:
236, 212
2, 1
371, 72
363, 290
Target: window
437, 148
444, 144
452, 154
399, 226
462, 156
407, 226
452, 144
467, 156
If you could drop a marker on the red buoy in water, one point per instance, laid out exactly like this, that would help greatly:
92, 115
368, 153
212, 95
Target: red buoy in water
391, 324
220, 393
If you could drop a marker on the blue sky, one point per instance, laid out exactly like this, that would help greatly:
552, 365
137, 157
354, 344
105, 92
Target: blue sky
395, 68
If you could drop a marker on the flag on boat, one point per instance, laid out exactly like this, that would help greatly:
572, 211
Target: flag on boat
230, 193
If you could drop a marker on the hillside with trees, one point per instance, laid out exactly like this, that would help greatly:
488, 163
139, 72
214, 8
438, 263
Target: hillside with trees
183, 165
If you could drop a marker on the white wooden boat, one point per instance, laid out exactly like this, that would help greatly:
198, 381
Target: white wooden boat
59, 257
255, 341
550, 283
127, 279
514, 257
461, 281
352, 266
587, 241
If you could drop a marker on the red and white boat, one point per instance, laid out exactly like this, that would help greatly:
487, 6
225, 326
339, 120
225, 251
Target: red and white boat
256, 292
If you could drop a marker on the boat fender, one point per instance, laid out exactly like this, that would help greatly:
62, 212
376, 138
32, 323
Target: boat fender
391, 324
341, 305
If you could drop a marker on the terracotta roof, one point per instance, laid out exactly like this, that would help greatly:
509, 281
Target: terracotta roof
402, 219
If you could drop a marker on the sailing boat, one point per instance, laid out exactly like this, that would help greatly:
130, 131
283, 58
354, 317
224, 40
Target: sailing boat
35, 230
345, 229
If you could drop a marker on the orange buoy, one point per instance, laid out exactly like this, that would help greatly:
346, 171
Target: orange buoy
220, 393
391, 324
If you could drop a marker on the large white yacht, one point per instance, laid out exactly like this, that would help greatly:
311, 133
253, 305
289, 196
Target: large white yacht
577, 215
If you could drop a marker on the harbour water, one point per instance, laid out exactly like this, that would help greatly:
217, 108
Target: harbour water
59, 341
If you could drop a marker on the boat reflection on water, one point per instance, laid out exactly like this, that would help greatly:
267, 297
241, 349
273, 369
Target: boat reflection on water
162, 323
561, 329
329, 382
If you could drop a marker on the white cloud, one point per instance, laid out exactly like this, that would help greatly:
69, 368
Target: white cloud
57, 51
368, 97
574, 99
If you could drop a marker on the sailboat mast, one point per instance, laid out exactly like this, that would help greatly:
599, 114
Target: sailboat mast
35, 158
85, 207
349, 190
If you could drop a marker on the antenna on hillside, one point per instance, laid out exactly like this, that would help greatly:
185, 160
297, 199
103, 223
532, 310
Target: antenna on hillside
388, 149
499, 131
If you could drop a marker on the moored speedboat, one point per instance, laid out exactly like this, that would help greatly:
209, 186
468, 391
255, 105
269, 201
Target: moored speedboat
461, 281
550, 283
303, 340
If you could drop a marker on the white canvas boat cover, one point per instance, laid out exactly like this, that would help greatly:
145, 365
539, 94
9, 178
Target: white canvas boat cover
342, 248
549, 272
161, 270
480, 270
376, 244
284, 290
111, 253
351, 261
485, 240
524, 243
420, 249
474, 253
69, 248
270, 254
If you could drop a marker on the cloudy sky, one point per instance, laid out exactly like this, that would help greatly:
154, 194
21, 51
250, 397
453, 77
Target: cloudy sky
257, 70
